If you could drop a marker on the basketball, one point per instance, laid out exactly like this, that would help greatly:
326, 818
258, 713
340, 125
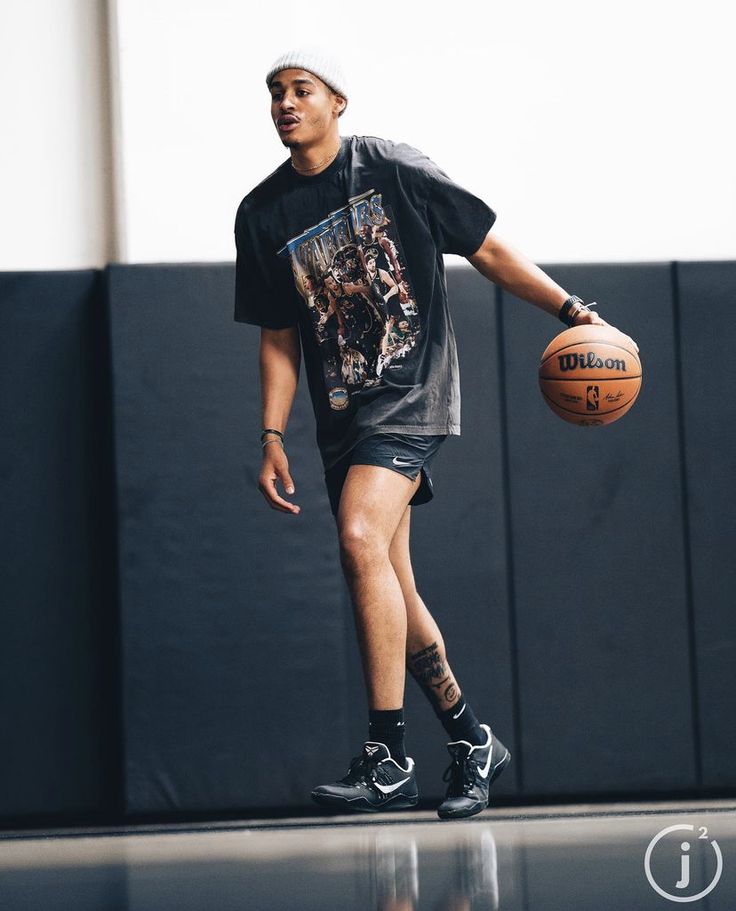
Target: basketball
590, 375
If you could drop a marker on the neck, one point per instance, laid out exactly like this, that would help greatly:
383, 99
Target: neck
315, 158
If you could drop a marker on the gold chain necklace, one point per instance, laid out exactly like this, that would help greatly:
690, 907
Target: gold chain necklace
319, 163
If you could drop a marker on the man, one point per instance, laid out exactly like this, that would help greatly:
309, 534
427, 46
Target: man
385, 396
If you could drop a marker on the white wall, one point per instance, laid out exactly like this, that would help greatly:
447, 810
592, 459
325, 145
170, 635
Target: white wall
598, 131
55, 196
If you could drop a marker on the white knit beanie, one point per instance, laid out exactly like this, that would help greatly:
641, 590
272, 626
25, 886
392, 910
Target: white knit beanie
316, 60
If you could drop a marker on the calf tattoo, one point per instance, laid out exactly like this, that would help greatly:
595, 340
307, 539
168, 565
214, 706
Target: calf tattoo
429, 670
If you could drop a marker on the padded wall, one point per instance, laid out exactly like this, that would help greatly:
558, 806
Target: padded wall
582, 577
263, 653
598, 544
707, 295
232, 613
58, 669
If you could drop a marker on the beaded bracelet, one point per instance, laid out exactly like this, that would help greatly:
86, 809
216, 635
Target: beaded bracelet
271, 430
567, 317
279, 437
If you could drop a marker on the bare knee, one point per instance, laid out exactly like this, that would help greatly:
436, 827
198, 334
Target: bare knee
360, 545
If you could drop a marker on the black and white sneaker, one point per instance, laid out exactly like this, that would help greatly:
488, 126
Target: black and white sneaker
375, 781
470, 775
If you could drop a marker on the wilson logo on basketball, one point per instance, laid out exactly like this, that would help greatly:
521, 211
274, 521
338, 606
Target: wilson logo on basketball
591, 359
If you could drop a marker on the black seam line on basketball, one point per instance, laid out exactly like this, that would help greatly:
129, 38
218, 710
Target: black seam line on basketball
587, 379
593, 411
582, 414
596, 341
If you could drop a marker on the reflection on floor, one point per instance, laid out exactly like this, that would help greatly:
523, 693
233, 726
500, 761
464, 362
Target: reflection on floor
598, 857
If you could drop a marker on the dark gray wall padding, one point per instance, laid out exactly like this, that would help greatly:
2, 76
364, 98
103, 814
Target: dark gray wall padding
600, 581
170, 643
707, 303
233, 635
244, 686
58, 669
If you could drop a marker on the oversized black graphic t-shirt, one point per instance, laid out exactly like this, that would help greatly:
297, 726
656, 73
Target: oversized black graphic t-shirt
353, 257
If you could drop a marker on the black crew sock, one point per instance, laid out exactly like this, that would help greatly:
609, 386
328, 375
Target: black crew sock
388, 727
461, 724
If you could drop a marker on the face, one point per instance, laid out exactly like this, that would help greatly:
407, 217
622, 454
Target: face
371, 264
303, 108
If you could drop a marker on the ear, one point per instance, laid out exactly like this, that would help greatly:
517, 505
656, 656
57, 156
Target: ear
341, 104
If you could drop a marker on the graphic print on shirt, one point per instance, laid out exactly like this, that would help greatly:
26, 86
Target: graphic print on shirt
351, 272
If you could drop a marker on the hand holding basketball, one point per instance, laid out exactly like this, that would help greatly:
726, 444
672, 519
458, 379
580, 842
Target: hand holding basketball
591, 318
590, 374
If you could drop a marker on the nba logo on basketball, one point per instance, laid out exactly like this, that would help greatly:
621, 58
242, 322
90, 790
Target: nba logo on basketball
592, 398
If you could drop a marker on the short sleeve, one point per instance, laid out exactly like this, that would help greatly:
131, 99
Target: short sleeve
459, 220
264, 289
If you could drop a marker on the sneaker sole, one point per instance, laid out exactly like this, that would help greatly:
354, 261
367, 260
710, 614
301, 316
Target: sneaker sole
360, 805
492, 776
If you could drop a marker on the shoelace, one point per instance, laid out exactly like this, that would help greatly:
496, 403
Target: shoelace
360, 771
461, 773
366, 771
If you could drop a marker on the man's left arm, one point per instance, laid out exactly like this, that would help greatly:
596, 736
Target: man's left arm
505, 266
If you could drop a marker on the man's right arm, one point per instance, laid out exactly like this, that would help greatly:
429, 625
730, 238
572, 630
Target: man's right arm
279, 361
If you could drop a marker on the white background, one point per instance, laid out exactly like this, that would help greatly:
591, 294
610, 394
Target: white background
598, 131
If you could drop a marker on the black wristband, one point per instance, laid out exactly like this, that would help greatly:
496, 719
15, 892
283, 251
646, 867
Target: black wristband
564, 313
270, 430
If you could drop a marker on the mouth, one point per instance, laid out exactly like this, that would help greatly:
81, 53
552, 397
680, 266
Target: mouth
286, 124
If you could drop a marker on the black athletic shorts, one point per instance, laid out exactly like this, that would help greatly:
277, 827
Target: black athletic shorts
406, 453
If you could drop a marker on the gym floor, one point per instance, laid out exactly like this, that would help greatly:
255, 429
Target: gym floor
595, 856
